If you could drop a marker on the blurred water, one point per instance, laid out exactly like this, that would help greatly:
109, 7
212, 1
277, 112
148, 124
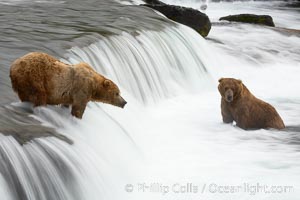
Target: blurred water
170, 133
149, 65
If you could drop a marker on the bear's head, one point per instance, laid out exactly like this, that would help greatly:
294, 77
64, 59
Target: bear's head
230, 88
108, 92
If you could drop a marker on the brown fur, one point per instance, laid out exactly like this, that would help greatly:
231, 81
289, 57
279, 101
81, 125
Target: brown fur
249, 112
42, 79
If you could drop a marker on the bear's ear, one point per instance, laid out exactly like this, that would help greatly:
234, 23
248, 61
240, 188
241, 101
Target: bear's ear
106, 83
220, 80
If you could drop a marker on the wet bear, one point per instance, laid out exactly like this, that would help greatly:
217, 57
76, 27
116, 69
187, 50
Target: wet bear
42, 79
249, 112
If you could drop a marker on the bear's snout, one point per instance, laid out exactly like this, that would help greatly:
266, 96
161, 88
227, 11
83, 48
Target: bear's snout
229, 95
229, 98
121, 102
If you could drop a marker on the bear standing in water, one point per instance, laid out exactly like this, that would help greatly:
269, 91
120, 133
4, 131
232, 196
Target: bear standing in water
239, 105
41, 79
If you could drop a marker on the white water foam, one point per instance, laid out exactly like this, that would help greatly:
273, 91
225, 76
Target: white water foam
180, 138
169, 136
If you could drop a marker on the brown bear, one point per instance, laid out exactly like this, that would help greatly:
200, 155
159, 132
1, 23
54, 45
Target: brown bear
249, 112
42, 79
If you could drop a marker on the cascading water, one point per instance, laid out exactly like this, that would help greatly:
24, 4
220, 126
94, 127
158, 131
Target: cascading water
149, 65
170, 136
50, 169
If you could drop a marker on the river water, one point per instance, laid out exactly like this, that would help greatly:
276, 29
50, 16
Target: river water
169, 142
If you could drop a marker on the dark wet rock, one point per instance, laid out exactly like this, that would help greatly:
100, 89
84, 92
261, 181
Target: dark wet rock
187, 16
154, 2
250, 18
16, 122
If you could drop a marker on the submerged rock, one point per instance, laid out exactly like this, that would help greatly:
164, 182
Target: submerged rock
17, 122
288, 31
187, 16
250, 18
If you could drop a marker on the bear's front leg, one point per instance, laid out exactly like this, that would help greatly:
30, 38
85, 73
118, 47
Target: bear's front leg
227, 118
78, 109
226, 115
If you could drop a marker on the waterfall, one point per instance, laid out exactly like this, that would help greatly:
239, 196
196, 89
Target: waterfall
171, 131
149, 67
